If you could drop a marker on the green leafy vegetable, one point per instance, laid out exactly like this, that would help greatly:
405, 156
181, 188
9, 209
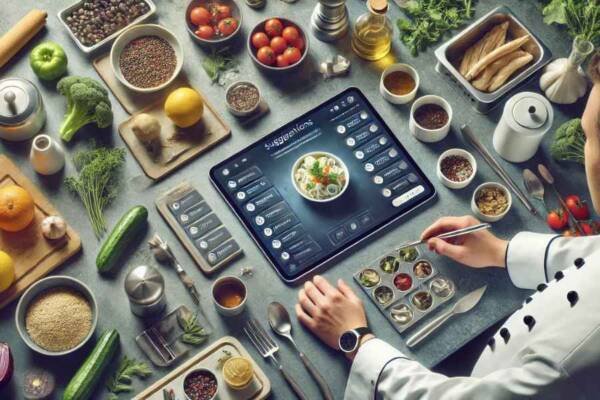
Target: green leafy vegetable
217, 63
96, 182
316, 170
569, 141
129, 368
193, 333
333, 178
429, 20
580, 17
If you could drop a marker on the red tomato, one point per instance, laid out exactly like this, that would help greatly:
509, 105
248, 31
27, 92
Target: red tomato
260, 39
290, 34
298, 43
587, 229
200, 16
273, 27
205, 32
557, 219
282, 61
578, 208
227, 26
278, 44
266, 55
292, 55
221, 12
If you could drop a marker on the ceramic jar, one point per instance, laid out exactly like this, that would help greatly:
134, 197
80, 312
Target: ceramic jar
46, 156
22, 113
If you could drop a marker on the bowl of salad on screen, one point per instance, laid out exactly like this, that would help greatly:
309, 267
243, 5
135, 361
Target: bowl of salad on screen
320, 177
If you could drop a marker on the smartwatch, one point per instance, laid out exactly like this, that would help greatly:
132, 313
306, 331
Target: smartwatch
350, 340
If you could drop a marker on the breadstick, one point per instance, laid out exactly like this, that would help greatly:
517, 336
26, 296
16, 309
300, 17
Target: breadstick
508, 70
496, 54
484, 79
493, 38
21, 33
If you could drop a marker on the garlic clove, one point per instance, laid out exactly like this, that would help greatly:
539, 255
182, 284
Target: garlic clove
54, 227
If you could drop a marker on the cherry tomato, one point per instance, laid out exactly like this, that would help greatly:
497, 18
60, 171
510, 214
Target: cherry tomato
273, 27
205, 32
260, 39
292, 55
227, 26
290, 34
298, 43
221, 11
587, 229
578, 208
200, 16
266, 55
278, 44
282, 61
557, 219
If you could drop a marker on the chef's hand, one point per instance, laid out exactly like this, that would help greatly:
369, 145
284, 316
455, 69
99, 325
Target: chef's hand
478, 249
329, 311
590, 122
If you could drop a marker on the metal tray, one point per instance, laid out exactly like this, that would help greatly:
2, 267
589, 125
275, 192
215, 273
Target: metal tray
62, 16
448, 56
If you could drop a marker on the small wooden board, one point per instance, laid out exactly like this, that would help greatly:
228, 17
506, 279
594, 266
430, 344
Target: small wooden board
208, 358
34, 256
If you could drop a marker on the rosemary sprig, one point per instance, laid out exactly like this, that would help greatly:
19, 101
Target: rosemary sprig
193, 333
129, 368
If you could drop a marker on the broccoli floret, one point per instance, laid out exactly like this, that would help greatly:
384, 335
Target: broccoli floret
87, 102
569, 141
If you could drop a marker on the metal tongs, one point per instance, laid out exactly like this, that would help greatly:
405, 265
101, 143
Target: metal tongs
448, 235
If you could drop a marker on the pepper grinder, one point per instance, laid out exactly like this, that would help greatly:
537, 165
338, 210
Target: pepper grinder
330, 20
145, 287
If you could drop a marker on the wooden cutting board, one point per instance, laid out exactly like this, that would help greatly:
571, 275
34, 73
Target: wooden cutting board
34, 256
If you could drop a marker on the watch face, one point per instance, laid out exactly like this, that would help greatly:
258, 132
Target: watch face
348, 341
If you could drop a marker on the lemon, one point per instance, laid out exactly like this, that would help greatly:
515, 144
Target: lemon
7, 271
184, 107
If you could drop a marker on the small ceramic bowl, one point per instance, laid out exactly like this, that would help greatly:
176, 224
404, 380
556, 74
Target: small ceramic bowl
487, 217
191, 28
455, 184
53, 282
196, 371
395, 98
317, 154
138, 31
229, 280
424, 134
235, 111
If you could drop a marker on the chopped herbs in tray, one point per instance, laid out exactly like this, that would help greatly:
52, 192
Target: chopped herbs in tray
409, 254
121, 380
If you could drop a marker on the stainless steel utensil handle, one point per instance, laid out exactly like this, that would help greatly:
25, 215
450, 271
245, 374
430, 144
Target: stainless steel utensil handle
292, 383
468, 134
451, 234
323, 386
424, 332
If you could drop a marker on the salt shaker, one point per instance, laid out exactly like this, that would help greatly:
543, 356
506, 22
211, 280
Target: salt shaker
145, 288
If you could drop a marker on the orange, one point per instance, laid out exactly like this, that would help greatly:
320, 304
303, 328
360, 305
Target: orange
16, 208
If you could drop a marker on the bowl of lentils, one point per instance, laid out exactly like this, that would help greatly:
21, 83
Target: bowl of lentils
243, 98
456, 168
146, 58
430, 118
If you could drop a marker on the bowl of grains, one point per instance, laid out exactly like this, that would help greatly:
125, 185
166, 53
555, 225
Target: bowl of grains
491, 201
242, 98
456, 168
56, 315
430, 118
146, 58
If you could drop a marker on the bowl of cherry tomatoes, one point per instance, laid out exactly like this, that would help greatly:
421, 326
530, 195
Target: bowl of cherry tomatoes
213, 21
277, 44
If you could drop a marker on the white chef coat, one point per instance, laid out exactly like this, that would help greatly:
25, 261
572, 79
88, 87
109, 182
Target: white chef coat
549, 348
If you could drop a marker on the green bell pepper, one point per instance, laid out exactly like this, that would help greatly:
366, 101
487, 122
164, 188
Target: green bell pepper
48, 60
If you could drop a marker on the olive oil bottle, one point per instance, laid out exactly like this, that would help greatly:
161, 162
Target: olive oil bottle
372, 34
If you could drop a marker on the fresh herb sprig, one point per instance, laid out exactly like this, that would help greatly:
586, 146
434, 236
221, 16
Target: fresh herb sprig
193, 333
218, 63
430, 19
580, 17
129, 368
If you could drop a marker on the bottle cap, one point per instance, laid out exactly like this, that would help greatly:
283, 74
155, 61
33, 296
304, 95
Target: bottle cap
378, 6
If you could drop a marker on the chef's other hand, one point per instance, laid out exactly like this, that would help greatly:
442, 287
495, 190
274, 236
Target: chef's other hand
478, 249
329, 311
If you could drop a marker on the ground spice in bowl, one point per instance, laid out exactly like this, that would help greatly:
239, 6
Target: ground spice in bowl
200, 385
147, 61
243, 97
456, 168
431, 116
491, 200
399, 83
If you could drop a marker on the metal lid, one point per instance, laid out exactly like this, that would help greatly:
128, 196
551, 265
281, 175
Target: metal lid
19, 99
530, 112
144, 285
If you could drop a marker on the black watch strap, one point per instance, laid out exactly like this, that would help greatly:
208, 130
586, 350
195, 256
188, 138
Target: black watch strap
363, 330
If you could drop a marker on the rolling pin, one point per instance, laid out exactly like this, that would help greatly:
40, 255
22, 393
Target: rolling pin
18, 36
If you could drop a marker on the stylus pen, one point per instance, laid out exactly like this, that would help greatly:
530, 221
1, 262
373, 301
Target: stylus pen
448, 235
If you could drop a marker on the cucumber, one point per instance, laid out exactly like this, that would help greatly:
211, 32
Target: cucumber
126, 230
87, 376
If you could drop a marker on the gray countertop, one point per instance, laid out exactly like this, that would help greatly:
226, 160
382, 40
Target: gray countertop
288, 97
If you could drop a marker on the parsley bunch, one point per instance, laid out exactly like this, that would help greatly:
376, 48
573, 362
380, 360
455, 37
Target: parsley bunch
121, 380
581, 17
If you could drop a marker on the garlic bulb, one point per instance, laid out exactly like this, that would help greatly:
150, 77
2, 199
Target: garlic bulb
54, 227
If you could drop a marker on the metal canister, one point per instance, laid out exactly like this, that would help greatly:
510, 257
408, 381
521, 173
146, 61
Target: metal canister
145, 288
22, 113
526, 118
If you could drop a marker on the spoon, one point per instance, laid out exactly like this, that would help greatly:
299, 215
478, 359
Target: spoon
545, 173
279, 320
534, 186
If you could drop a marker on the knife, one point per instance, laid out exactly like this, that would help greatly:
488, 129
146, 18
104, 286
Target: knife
466, 303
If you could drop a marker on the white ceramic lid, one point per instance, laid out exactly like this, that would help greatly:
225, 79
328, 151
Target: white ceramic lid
530, 112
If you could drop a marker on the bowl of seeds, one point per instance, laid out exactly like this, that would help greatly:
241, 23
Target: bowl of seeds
243, 98
146, 58
56, 315
491, 201
456, 168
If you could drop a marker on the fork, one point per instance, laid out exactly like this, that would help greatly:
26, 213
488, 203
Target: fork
267, 348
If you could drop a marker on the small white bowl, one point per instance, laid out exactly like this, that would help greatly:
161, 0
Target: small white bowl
196, 370
453, 184
229, 311
429, 135
235, 111
300, 160
144, 30
485, 217
395, 98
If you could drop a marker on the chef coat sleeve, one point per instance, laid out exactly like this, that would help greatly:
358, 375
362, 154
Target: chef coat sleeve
534, 258
381, 372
